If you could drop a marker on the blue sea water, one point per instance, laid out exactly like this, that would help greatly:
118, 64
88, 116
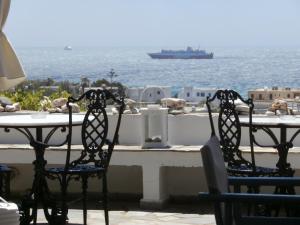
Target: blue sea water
242, 69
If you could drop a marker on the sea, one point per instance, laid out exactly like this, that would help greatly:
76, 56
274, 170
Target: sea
237, 68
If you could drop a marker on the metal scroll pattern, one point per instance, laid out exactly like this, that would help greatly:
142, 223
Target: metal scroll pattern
230, 128
94, 131
97, 148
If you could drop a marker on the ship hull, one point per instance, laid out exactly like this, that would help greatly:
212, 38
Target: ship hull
170, 56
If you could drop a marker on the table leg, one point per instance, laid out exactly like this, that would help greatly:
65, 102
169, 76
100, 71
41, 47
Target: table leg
283, 150
40, 192
282, 164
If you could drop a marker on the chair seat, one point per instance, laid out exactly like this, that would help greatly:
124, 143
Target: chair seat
244, 170
78, 169
4, 168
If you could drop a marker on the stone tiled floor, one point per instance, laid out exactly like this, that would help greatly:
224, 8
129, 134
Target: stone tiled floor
130, 213
137, 218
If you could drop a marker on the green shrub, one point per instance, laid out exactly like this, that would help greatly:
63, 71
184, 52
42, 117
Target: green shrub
59, 94
30, 100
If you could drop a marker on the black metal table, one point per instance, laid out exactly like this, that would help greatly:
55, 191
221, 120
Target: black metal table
27, 124
282, 144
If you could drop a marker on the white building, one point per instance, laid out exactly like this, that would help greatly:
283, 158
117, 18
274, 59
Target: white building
148, 93
192, 94
270, 94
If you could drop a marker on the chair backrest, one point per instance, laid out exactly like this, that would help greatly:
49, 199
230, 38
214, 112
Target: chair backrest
229, 126
214, 166
97, 148
216, 178
231, 208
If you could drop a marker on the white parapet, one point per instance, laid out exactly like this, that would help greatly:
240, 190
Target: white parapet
184, 129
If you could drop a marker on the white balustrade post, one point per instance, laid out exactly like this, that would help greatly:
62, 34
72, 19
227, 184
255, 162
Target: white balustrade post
154, 188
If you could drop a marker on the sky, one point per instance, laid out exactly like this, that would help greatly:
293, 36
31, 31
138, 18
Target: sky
144, 23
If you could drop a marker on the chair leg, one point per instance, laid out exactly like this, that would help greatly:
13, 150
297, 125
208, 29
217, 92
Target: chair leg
84, 207
64, 187
2, 184
105, 205
7, 184
34, 212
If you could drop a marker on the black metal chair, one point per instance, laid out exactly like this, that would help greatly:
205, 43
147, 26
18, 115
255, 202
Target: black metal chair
229, 207
5, 175
229, 129
97, 148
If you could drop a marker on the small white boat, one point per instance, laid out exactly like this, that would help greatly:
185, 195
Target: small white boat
68, 47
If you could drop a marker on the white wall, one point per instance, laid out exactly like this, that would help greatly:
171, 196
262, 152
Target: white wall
148, 93
196, 94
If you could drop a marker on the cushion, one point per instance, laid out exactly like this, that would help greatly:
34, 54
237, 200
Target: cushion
214, 166
78, 169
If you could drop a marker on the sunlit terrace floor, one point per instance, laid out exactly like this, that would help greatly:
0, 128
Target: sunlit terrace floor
124, 213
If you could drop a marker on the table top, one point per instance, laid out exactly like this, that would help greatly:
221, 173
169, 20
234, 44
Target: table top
273, 121
39, 120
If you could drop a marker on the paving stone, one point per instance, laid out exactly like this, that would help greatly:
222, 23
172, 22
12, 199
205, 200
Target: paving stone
96, 217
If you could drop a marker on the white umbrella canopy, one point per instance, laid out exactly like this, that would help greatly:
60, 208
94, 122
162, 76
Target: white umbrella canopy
11, 71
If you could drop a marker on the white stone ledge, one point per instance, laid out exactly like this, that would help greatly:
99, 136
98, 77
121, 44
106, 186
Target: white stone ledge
138, 148
125, 155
